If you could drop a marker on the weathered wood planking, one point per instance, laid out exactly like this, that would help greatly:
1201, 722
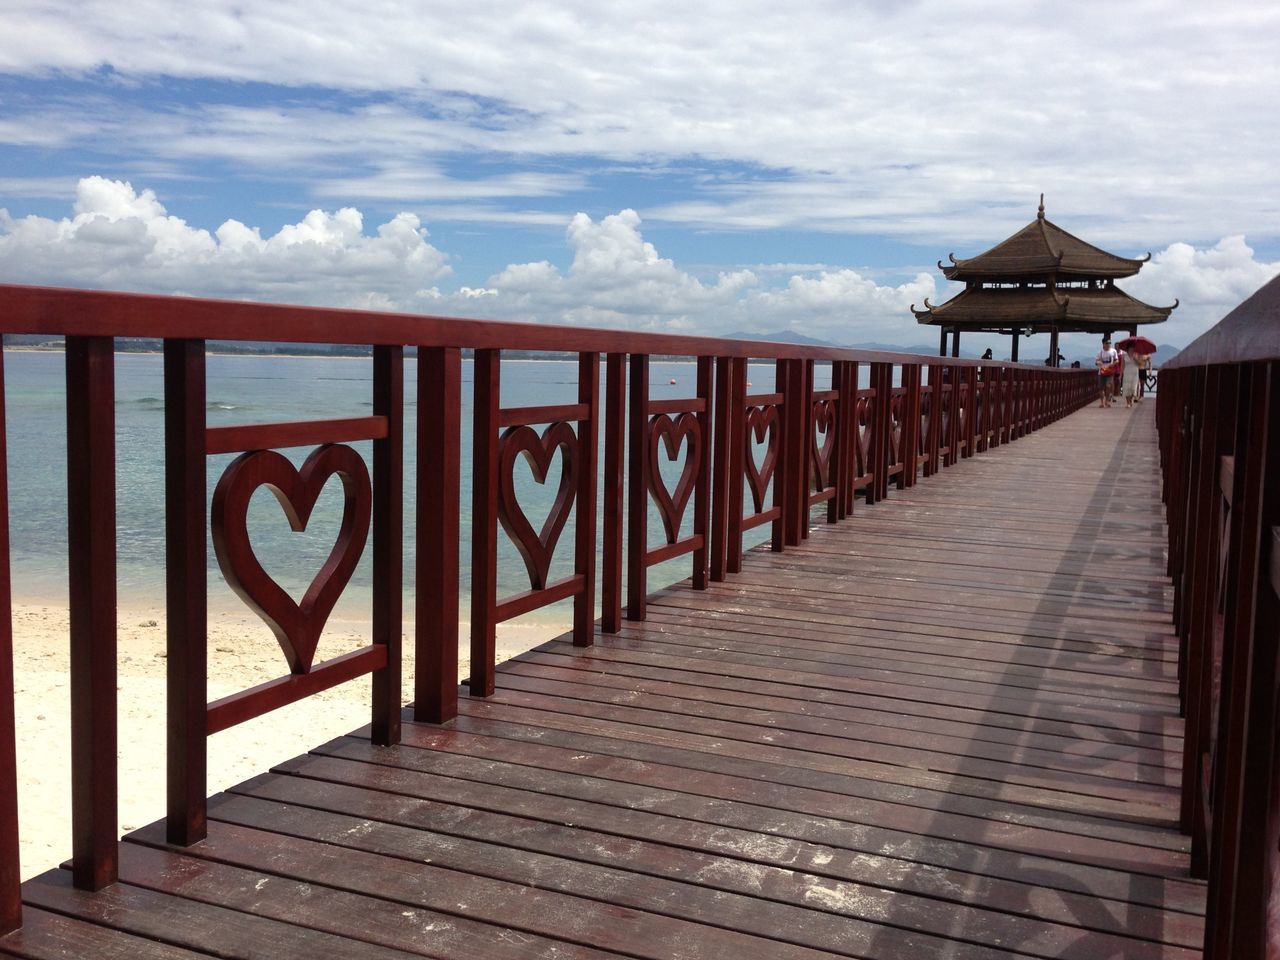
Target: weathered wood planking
946, 727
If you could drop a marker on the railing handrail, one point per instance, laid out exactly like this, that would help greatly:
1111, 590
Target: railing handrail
1248, 333
58, 311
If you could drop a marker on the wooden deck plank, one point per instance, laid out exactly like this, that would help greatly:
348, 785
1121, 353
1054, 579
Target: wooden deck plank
947, 727
887, 700
969, 819
865, 759
577, 845
852, 720
734, 845
936, 751
786, 827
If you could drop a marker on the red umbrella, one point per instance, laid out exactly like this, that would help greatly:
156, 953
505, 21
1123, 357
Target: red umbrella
1137, 344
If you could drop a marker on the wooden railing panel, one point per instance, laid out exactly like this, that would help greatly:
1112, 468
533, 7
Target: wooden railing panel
673, 428
569, 437
1220, 440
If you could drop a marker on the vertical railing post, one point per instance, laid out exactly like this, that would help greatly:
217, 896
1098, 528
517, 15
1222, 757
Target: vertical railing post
615, 431
1199, 579
638, 488
584, 604
738, 439
835, 429
720, 442
794, 454
1259, 714
388, 541
846, 386
484, 522
952, 376
1226, 910
807, 440
702, 483
970, 411
436, 543
999, 410
911, 383
10, 856
186, 590
91, 546
1199, 488
881, 430
933, 439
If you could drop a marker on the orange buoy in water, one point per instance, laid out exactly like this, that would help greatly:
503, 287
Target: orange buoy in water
672, 381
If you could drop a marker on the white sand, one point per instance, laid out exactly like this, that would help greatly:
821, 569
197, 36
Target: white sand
242, 653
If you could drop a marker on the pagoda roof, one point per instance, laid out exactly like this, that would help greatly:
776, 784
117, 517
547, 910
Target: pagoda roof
1040, 248
1042, 308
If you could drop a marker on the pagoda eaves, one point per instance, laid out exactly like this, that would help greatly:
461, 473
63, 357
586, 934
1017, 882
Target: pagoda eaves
1041, 308
1039, 249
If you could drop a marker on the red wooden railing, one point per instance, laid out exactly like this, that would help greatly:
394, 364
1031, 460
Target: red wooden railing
1219, 417
819, 447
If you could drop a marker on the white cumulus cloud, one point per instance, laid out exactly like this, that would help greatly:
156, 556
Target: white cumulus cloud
122, 238
1207, 282
616, 279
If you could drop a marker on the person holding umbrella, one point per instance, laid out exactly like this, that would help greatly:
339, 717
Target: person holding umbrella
1129, 377
1138, 351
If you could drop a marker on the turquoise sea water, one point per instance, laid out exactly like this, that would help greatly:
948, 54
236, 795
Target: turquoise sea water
255, 389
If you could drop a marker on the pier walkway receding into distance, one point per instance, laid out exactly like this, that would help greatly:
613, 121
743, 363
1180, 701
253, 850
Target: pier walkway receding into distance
947, 726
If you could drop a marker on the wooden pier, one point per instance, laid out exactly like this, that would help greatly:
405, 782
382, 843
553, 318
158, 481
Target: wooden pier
1001, 682
945, 727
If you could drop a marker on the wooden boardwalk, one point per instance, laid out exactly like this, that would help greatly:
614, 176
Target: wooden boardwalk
946, 727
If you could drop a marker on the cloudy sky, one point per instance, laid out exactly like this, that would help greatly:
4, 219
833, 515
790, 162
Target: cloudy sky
710, 167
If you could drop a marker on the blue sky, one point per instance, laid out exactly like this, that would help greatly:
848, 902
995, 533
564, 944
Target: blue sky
660, 166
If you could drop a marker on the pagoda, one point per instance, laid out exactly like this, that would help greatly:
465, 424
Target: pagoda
1040, 280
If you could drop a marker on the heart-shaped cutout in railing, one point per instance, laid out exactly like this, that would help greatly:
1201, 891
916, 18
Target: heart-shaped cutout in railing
926, 408
537, 547
761, 422
297, 626
895, 429
824, 423
862, 435
673, 434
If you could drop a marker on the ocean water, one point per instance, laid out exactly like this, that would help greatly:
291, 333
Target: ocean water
258, 389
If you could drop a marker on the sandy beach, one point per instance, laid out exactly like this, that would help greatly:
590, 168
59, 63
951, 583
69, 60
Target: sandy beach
242, 653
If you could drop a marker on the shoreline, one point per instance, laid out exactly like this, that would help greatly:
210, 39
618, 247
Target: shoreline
242, 653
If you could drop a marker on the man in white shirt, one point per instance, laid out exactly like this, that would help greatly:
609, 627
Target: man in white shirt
1108, 363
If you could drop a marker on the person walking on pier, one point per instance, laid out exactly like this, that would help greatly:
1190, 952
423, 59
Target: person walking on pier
1108, 363
1144, 371
1129, 378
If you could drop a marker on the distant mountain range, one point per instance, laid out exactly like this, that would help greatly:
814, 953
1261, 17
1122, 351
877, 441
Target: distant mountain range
1164, 352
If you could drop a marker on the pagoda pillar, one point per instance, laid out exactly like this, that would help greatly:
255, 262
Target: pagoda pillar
1013, 352
955, 341
942, 344
1053, 345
